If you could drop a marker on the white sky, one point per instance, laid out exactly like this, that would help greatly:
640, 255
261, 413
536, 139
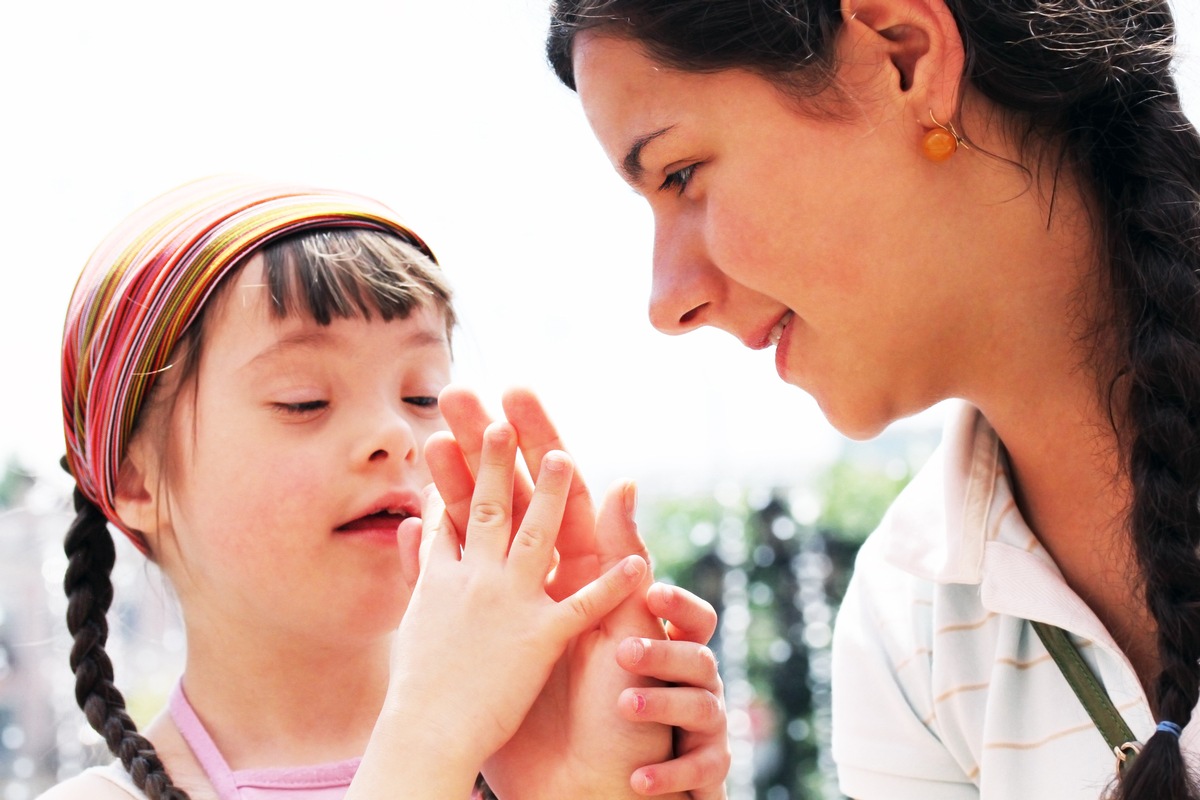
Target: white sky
447, 112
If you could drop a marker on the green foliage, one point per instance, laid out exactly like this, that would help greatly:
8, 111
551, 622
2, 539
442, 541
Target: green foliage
855, 497
674, 531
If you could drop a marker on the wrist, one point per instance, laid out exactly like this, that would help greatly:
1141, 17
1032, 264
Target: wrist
415, 749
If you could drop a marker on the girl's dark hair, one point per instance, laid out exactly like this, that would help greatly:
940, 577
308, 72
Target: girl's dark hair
326, 274
1093, 81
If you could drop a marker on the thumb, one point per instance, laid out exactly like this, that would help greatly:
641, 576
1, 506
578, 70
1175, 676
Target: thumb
589, 605
617, 537
616, 531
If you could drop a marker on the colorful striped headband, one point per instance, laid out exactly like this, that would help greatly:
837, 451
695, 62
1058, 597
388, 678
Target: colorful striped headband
145, 285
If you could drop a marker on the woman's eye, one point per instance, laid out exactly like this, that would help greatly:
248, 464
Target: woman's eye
423, 402
678, 180
305, 407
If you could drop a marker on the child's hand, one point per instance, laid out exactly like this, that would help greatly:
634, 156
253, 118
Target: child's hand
575, 742
586, 547
694, 705
454, 471
481, 635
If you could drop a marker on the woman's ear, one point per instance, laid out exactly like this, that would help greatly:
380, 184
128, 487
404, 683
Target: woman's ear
918, 45
139, 485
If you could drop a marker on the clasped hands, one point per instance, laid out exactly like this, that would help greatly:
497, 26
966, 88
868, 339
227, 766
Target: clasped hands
565, 681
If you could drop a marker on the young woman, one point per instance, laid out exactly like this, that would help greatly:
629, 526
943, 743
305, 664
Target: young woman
915, 200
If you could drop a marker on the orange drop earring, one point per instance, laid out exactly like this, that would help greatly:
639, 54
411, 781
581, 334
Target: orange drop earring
941, 143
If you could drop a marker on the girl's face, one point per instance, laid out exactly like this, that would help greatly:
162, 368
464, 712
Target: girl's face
292, 463
817, 233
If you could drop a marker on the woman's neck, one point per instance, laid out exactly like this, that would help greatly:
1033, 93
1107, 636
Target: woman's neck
1071, 488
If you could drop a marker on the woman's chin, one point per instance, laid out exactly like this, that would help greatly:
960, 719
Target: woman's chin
859, 422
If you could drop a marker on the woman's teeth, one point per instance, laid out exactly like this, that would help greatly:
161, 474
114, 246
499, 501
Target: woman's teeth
777, 332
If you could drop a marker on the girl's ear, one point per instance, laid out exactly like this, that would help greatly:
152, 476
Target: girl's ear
918, 46
139, 485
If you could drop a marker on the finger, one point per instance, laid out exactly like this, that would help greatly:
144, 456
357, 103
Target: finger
467, 418
685, 663
453, 477
687, 707
538, 436
490, 524
408, 539
616, 529
689, 617
532, 550
586, 607
438, 537
616, 536
702, 772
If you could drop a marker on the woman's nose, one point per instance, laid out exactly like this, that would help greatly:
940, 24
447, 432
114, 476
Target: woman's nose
686, 285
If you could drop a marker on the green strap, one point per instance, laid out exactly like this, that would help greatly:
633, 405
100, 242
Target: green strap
1090, 693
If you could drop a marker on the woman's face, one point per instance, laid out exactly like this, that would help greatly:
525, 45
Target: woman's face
819, 233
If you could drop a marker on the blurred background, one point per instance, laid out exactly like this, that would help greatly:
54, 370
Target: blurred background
447, 112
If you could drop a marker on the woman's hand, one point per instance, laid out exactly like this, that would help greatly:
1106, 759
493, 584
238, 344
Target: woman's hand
693, 702
481, 635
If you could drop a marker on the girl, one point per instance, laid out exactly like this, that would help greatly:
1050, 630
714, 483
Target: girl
915, 200
250, 371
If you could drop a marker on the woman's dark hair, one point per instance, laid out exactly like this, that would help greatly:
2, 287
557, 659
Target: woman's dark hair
338, 273
1093, 81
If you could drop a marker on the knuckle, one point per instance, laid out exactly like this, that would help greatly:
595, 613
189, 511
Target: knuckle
488, 513
583, 608
526, 540
709, 707
708, 662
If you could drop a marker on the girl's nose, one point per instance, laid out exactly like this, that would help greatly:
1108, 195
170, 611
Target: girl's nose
391, 438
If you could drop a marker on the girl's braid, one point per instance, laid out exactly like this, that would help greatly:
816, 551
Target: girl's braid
89, 589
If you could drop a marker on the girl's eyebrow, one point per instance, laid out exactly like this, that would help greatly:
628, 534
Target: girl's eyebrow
314, 339
306, 339
631, 165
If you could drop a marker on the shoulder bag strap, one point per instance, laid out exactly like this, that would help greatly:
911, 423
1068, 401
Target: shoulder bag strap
1091, 694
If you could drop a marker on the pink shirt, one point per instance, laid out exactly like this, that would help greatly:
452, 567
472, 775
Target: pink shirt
319, 782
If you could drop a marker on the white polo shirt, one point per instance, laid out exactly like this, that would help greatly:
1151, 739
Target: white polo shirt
941, 688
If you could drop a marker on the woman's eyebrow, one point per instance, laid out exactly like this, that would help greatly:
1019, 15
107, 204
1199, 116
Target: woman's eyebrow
631, 165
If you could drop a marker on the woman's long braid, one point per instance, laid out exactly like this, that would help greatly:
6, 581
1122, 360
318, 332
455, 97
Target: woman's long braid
1147, 167
89, 589
1100, 77
1142, 157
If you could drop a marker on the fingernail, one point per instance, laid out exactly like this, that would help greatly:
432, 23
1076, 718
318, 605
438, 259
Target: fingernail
641, 702
647, 782
631, 499
632, 567
554, 461
637, 649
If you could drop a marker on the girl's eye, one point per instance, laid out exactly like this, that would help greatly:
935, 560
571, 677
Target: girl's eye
423, 402
306, 407
678, 180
